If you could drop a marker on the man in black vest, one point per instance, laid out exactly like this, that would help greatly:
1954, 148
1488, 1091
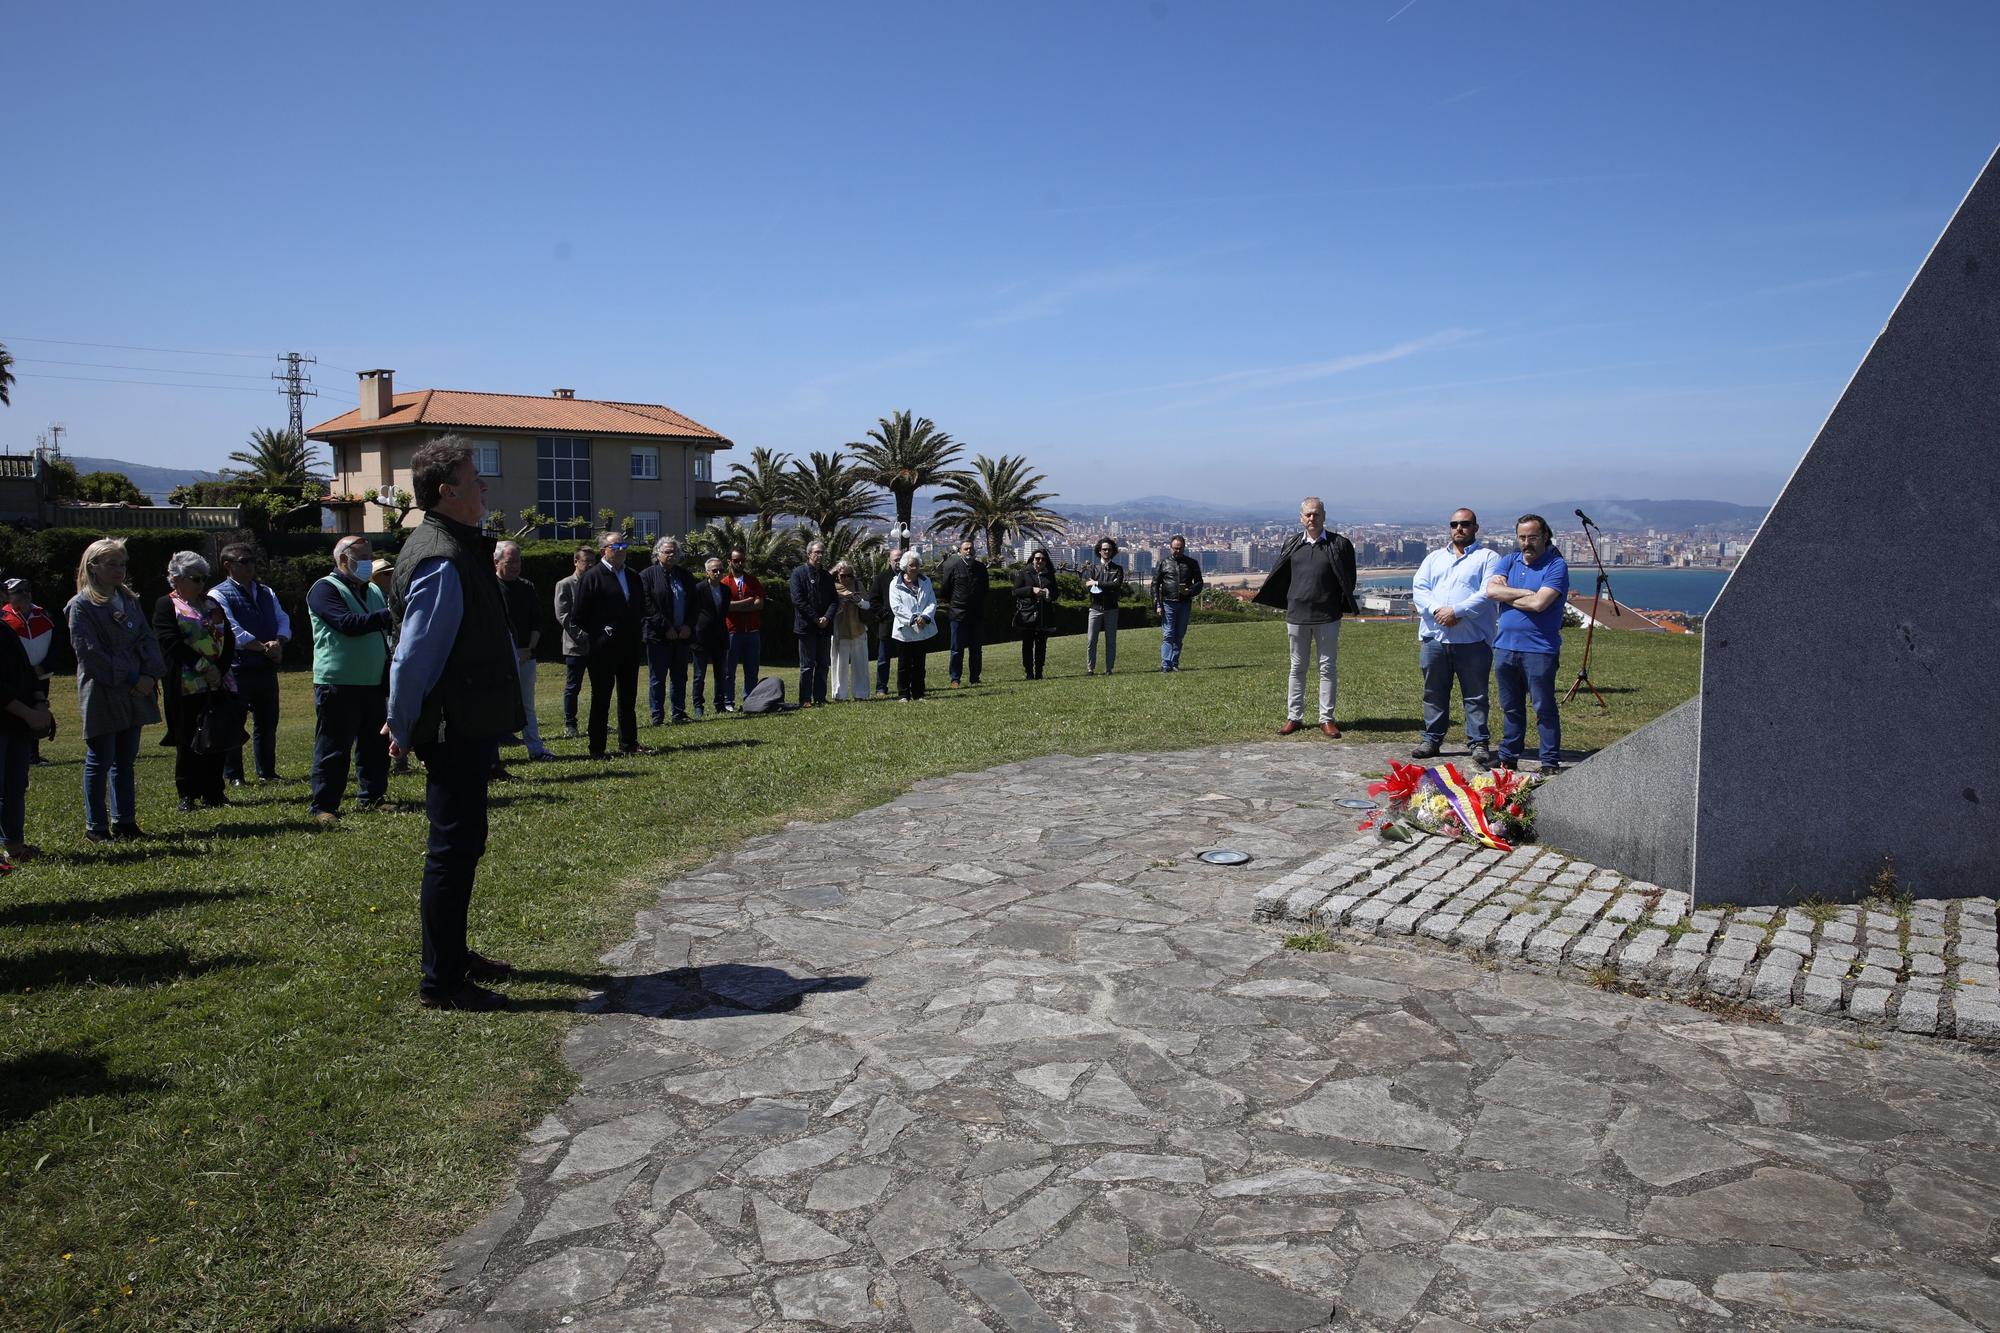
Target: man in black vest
610, 614
453, 693
961, 595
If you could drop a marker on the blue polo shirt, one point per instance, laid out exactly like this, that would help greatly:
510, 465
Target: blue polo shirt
1540, 631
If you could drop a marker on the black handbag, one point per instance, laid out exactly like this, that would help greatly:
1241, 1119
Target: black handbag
220, 727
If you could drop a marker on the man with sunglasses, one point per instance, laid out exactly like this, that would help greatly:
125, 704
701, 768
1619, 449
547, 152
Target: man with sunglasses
1455, 627
610, 617
262, 630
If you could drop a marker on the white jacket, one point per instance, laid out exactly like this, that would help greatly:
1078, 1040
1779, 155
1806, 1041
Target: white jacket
908, 603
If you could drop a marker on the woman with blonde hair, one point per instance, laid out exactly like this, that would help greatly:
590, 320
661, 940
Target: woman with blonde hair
118, 664
850, 636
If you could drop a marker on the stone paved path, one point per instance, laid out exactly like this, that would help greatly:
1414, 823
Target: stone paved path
1929, 966
1001, 1056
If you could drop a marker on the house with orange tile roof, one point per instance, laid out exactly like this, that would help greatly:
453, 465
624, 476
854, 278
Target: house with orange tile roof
566, 456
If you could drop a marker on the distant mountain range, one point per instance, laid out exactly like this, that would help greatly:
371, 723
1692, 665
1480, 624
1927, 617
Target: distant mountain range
1614, 515
156, 482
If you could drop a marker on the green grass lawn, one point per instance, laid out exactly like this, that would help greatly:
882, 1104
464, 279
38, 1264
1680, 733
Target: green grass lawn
220, 1106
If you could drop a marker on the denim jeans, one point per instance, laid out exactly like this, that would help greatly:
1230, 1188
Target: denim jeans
968, 635
704, 663
575, 668
109, 759
746, 649
16, 749
815, 666
455, 778
1173, 633
1103, 620
1307, 641
1471, 665
531, 730
348, 718
259, 692
1522, 677
667, 663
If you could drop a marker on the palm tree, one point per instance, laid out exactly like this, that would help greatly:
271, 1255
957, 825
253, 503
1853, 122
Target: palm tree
903, 457
770, 552
761, 485
850, 542
6, 375
276, 458
994, 499
826, 491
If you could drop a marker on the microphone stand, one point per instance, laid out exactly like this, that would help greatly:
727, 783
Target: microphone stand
1583, 681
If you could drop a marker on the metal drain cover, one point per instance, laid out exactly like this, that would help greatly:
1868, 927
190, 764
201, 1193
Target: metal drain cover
1222, 856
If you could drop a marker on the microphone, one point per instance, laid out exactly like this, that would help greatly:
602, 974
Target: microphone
1586, 519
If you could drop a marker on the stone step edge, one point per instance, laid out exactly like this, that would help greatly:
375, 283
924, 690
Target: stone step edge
1768, 980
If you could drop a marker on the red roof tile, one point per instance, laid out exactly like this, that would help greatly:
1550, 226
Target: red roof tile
452, 408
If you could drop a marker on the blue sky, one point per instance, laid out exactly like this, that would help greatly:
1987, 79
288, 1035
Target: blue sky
1391, 252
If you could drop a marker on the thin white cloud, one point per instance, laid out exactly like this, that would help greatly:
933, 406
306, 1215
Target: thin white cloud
1399, 13
814, 393
1818, 284
1273, 377
1055, 299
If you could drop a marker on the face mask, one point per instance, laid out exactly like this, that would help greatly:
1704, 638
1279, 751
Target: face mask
363, 568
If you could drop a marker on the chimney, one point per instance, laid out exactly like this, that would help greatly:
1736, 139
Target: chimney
378, 394
565, 393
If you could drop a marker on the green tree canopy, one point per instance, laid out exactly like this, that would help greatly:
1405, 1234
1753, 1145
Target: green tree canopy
277, 459
6, 376
770, 552
903, 456
826, 491
761, 485
108, 488
996, 498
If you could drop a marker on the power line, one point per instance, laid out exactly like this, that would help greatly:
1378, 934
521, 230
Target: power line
123, 347
164, 384
111, 365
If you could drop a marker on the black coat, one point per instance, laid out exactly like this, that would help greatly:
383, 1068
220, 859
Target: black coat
961, 588
708, 606
605, 618
879, 610
813, 596
1178, 579
1278, 586
658, 580
1035, 615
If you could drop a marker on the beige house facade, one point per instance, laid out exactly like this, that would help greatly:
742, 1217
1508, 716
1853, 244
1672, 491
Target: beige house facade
564, 456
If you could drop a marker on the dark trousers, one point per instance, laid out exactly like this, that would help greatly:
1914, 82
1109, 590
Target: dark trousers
1522, 677
574, 670
1469, 664
619, 670
910, 668
968, 638
1034, 652
259, 692
17, 748
815, 665
455, 778
667, 664
746, 649
197, 777
885, 652
349, 719
711, 658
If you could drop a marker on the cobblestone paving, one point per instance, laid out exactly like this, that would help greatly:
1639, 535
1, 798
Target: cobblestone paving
1001, 1056
1927, 966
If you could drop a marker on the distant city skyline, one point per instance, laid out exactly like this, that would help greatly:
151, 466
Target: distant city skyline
1397, 253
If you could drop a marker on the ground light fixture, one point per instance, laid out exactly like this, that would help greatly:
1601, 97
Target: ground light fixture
1223, 856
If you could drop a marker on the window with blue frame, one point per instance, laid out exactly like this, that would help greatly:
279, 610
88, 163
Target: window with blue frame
562, 482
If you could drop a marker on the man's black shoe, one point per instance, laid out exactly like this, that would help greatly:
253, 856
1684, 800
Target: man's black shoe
469, 997
1551, 768
1507, 764
1428, 750
1482, 756
186, 805
482, 968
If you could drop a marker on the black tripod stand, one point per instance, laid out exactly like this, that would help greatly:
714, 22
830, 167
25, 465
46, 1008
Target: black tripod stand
1583, 681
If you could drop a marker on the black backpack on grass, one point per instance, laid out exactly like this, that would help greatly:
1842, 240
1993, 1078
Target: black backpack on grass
766, 696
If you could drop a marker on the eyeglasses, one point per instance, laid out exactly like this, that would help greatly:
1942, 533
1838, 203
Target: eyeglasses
1465, 523
618, 546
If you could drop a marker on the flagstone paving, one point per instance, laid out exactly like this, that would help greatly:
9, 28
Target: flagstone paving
1001, 1055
